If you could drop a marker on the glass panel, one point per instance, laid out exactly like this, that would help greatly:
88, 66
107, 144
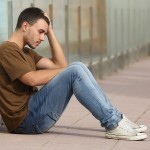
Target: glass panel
4, 21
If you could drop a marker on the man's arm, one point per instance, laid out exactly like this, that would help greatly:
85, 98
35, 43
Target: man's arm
39, 77
58, 59
47, 68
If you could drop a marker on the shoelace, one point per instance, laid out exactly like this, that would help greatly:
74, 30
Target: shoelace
127, 128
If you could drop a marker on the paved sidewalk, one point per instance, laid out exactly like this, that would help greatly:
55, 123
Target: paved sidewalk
129, 91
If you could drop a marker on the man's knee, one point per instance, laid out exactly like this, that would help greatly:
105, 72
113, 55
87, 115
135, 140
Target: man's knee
78, 63
75, 68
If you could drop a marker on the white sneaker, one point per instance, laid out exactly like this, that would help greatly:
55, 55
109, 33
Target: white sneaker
138, 128
125, 132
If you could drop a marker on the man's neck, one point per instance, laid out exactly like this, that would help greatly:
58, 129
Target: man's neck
17, 38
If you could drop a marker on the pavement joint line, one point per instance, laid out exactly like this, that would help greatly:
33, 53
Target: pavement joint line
143, 114
117, 141
81, 118
44, 144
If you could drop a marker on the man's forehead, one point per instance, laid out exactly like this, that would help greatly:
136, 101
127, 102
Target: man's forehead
41, 25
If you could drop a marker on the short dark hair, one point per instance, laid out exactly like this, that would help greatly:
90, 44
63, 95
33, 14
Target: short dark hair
31, 15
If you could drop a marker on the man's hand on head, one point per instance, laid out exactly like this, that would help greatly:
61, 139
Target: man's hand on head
46, 15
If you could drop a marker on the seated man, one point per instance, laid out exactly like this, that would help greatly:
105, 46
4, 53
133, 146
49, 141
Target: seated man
27, 110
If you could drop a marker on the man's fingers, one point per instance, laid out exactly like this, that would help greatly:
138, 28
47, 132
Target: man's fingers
45, 14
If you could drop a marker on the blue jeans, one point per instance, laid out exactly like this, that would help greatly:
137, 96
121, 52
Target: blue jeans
47, 105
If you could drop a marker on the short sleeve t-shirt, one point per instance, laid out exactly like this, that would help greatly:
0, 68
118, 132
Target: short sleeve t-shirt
14, 95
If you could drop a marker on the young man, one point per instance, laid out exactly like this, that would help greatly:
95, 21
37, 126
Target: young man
27, 110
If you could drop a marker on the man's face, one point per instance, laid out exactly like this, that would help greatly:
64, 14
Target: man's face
35, 33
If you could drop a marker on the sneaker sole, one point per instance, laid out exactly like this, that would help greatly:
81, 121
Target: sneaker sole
142, 128
139, 137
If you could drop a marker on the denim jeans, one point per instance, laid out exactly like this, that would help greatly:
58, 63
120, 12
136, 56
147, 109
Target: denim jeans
47, 105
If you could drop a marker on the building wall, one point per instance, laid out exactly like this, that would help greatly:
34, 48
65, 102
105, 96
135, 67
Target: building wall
128, 23
127, 32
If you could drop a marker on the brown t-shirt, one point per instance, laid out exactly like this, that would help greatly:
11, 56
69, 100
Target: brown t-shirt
14, 95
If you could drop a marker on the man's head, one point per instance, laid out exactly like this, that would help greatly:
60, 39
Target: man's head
31, 15
32, 25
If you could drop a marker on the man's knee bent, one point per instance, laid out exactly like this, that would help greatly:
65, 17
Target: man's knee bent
78, 63
75, 68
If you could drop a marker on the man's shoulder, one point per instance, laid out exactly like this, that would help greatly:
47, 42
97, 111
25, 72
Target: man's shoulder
8, 46
7, 43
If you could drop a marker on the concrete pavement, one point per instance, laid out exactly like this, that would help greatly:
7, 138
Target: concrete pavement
77, 129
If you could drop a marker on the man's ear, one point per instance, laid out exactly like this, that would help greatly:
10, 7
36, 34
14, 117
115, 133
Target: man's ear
25, 26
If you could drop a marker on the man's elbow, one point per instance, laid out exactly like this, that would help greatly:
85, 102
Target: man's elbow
28, 79
63, 65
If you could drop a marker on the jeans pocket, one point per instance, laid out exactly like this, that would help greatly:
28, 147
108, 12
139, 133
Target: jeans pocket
44, 124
